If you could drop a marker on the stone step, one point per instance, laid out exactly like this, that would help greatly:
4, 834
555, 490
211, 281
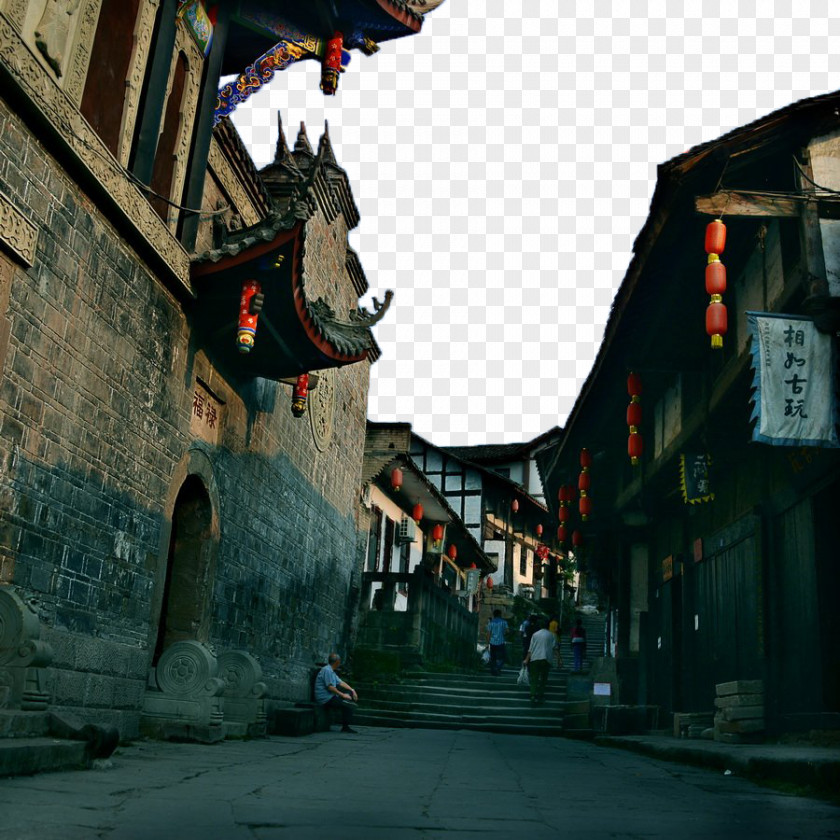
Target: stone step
466, 695
501, 727
25, 756
523, 708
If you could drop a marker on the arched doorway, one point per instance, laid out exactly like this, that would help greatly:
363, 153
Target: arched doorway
189, 579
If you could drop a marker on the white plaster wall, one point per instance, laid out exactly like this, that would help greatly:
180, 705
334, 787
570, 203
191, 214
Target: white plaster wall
825, 164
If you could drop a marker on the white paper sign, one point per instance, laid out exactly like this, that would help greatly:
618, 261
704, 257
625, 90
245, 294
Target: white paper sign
795, 395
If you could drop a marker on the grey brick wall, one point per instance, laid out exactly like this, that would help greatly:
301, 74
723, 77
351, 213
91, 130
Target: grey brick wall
95, 401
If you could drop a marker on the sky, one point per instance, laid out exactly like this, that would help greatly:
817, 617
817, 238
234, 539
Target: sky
503, 161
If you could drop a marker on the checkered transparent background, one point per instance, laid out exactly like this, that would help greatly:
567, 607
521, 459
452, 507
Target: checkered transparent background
503, 161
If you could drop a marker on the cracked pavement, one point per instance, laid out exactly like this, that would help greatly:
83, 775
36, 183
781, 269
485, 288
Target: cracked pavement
398, 783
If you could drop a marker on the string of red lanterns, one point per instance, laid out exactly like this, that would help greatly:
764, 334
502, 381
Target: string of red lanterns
716, 319
634, 418
585, 503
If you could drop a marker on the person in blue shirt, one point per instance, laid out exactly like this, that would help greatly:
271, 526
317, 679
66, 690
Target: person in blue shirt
332, 692
497, 629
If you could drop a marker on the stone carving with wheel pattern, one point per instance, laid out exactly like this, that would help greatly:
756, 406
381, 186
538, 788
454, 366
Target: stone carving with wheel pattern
185, 668
244, 692
322, 409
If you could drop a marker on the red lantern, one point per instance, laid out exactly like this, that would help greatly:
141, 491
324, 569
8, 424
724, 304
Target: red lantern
452, 552
716, 322
563, 514
514, 506
331, 65
488, 582
561, 533
472, 566
247, 327
634, 448
585, 459
634, 414
634, 385
585, 507
396, 478
584, 481
577, 539
715, 276
299, 395
437, 533
417, 513
715, 237
539, 530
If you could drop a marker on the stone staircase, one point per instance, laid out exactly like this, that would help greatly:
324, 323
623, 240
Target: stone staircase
480, 702
595, 632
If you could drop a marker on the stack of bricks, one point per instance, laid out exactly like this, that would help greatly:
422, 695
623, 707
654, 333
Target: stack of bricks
739, 716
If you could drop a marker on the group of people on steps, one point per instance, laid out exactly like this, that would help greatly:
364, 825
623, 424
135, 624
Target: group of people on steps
540, 647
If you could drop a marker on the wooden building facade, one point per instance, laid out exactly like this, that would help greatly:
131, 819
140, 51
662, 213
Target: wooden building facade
718, 553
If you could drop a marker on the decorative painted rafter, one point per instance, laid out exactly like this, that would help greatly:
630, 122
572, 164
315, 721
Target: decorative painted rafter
279, 57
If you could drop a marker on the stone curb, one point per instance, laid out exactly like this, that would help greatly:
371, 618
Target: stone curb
818, 773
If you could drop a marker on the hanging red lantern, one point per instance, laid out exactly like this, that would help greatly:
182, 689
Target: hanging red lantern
715, 276
299, 395
584, 481
561, 533
634, 384
634, 414
634, 448
452, 552
417, 513
539, 529
331, 65
396, 478
563, 514
437, 533
488, 582
585, 507
248, 316
514, 505
585, 459
715, 237
577, 539
716, 322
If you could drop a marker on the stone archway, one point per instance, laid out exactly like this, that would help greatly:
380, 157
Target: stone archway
190, 565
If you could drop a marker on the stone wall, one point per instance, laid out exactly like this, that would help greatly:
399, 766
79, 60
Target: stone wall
96, 398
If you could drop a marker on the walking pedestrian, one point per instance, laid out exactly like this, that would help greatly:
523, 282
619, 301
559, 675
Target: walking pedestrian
578, 645
526, 630
538, 659
332, 692
497, 629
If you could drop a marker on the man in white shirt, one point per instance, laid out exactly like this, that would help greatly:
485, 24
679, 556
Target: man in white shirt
332, 692
538, 660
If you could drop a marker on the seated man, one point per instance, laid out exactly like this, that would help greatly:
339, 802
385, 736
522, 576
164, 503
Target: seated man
332, 692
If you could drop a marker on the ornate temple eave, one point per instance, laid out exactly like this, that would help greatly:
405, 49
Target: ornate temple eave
294, 334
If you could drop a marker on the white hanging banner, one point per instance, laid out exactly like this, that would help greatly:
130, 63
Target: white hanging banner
794, 373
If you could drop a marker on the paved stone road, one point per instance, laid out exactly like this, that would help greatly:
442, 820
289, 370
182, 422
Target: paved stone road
390, 784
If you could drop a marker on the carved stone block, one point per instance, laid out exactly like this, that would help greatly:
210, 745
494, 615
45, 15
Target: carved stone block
244, 694
23, 656
184, 699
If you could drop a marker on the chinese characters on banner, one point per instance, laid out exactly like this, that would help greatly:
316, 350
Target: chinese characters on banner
694, 478
206, 415
794, 372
